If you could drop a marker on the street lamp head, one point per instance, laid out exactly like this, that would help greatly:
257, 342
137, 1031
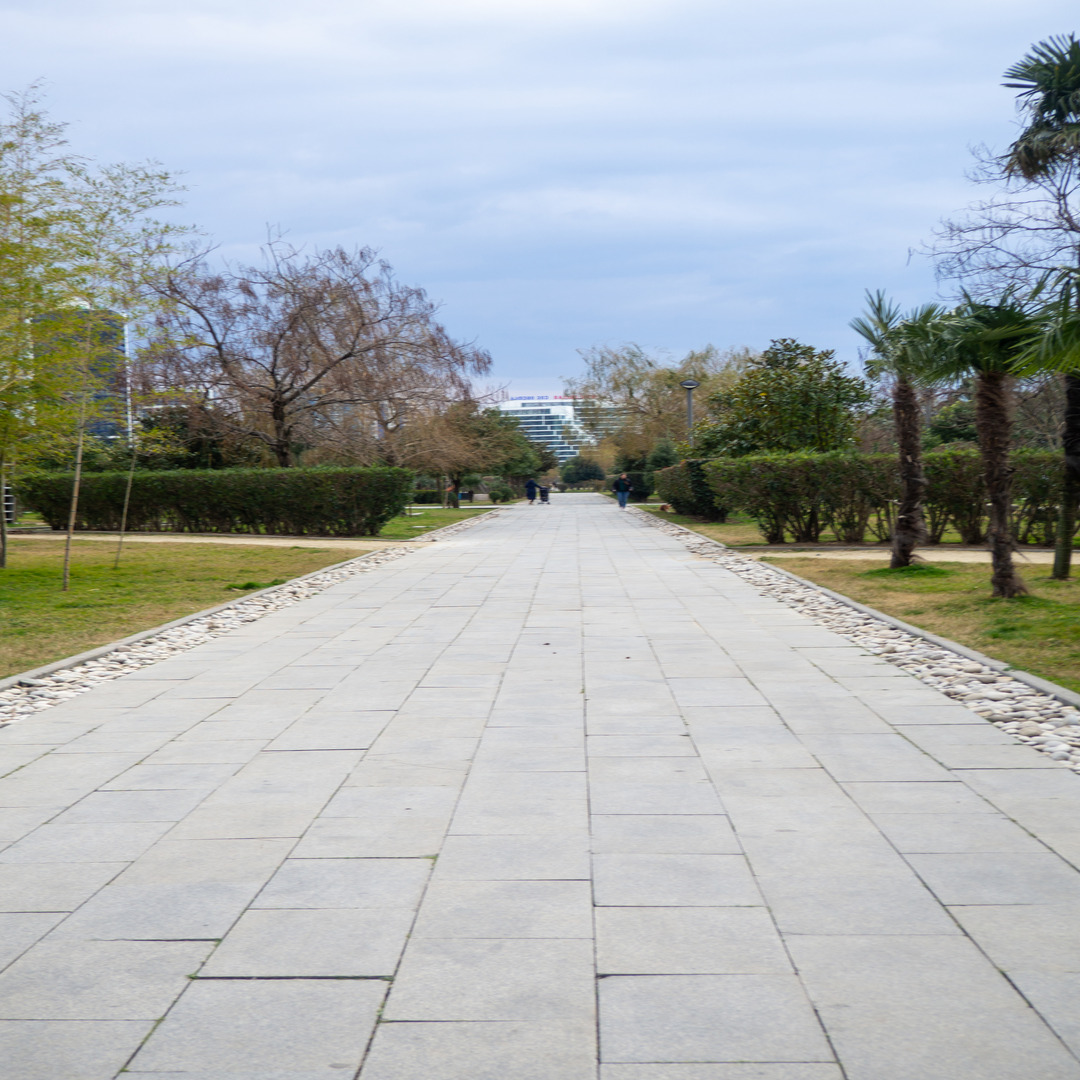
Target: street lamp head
689, 384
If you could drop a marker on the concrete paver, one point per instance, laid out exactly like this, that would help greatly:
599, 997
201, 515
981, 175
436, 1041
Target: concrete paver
550, 778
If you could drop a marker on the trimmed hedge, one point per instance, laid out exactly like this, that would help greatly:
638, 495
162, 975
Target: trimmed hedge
797, 497
687, 488
323, 501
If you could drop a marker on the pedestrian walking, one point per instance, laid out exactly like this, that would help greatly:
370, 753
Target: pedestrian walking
530, 490
621, 487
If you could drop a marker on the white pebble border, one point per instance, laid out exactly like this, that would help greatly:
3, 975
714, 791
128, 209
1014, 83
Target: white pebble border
1032, 717
26, 695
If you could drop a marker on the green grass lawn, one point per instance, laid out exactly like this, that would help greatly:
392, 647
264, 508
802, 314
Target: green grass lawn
737, 531
424, 519
1039, 633
154, 584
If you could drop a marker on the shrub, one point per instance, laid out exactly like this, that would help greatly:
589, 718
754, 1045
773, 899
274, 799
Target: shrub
687, 488
784, 493
296, 502
955, 495
797, 496
640, 485
1037, 491
501, 493
427, 496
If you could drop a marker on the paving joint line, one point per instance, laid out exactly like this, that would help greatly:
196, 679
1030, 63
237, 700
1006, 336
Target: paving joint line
1051, 725
38, 677
1044, 686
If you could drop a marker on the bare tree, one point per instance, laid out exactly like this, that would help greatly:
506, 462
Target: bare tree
638, 397
306, 349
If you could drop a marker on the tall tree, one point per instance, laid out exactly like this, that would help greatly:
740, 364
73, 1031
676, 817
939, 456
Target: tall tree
901, 346
1027, 234
792, 397
987, 341
305, 348
465, 438
1048, 79
636, 396
77, 241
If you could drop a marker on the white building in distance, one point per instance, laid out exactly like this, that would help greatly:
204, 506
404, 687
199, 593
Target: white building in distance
552, 420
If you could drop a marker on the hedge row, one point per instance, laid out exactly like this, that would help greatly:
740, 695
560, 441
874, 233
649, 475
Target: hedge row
686, 487
797, 497
293, 502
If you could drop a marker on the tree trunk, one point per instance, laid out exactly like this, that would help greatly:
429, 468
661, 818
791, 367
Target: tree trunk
73, 512
910, 528
3, 512
993, 421
281, 445
127, 502
1067, 514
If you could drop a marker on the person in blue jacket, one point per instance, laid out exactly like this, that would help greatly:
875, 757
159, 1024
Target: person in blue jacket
530, 490
621, 487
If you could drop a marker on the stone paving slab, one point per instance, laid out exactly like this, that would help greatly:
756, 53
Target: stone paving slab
550, 777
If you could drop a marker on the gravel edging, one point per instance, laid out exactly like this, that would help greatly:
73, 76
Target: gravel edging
31, 692
1033, 710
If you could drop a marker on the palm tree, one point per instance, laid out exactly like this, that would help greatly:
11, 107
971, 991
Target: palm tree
1057, 349
1048, 79
901, 346
987, 341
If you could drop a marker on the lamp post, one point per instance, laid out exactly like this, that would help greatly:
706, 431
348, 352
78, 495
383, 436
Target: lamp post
690, 385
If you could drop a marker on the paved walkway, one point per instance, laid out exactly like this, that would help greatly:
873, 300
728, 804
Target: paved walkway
552, 781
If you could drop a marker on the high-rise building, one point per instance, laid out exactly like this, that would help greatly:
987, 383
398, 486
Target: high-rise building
552, 420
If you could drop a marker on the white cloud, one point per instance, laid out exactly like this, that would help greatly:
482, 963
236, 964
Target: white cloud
560, 171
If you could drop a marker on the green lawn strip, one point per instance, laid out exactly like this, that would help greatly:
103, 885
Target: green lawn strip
155, 584
736, 532
1039, 633
420, 521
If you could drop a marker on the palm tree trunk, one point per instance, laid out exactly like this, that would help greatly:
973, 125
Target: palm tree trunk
993, 421
1067, 514
910, 529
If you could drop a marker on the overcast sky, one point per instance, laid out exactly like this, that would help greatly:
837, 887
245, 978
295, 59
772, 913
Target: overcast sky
560, 173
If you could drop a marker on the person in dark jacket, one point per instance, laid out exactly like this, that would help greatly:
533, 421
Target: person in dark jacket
530, 490
621, 487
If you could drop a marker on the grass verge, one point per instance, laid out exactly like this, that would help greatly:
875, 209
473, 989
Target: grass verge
424, 520
1039, 633
736, 532
154, 584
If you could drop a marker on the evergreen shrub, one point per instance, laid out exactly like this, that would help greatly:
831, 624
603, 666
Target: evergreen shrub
796, 497
640, 485
686, 487
324, 501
